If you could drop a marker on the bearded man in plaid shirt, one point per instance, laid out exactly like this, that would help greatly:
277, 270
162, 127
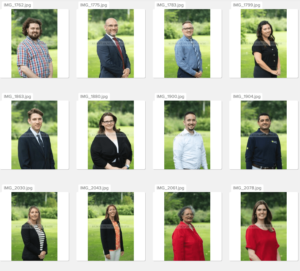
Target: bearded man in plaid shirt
33, 56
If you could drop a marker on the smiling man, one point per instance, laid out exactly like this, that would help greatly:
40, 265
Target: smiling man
33, 57
112, 54
187, 54
263, 147
188, 147
34, 147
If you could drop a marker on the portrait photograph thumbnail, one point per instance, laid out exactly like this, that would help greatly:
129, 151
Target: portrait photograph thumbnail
35, 226
111, 226
37, 43
113, 41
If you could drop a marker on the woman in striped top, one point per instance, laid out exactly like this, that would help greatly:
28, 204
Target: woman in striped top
34, 237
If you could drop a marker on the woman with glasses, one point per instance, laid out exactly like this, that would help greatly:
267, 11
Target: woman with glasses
111, 148
187, 244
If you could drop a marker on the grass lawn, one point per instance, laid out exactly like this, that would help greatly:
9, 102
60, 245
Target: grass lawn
14, 152
50, 228
171, 67
280, 228
203, 229
247, 59
14, 67
128, 130
282, 138
169, 138
95, 250
94, 61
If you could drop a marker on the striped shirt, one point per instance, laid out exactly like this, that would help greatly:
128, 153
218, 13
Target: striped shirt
41, 235
34, 55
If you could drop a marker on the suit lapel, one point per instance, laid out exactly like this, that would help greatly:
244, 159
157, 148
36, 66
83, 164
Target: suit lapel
45, 143
114, 46
34, 141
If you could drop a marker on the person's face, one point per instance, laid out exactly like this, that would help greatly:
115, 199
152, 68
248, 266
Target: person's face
112, 211
34, 31
34, 214
111, 27
187, 216
261, 212
35, 121
108, 122
266, 30
188, 30
190, 122
264, 122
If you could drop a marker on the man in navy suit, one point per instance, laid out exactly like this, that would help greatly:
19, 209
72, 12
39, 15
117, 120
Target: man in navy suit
112, 54
34, 148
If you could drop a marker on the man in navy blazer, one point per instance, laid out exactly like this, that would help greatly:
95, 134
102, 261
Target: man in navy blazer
34, 148
112, 54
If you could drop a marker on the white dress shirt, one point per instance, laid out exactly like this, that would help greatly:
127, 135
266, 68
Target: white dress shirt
36, 134
189, 151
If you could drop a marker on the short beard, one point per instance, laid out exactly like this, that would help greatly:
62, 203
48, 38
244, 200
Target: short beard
34, 37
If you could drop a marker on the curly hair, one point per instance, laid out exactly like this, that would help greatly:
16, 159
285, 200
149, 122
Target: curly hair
28, 22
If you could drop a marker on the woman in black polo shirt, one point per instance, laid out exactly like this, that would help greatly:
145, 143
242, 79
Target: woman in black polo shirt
267, 64
111, 148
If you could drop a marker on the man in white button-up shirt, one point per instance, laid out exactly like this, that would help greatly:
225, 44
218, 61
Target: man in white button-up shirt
188, 147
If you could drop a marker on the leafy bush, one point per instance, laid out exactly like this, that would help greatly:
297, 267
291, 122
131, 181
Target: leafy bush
202, 216
125, 209
95, 211
201, 28
173, 125
126, 119
127, 200
172, 31
51, 202
22, 212
172, 218
251, 24
250, 126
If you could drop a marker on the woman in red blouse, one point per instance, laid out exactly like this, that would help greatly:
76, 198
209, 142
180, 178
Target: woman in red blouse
261, 241
187, 244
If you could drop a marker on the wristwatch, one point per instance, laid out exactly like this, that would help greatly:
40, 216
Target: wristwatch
127, 166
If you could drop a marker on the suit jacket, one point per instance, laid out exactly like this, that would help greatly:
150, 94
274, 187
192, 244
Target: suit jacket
32, 243
108, 236
110, 58
31, 155
104, 151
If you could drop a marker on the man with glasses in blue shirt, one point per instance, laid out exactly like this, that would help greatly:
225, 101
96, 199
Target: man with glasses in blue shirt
263, 147
187, 54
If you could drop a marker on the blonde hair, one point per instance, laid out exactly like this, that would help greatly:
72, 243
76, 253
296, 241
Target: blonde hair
39, 220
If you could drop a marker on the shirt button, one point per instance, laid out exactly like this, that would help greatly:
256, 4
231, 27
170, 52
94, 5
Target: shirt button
274, 55
272, 49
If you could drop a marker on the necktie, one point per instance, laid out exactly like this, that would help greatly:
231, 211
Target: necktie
120, 51
40, 141
197, 55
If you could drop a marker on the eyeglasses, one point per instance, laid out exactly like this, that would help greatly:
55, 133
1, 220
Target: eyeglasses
189, 28
108, 122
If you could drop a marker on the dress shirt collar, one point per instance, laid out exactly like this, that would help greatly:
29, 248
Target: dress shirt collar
110, 36
35, 133
259, 131
187, 39
185, 132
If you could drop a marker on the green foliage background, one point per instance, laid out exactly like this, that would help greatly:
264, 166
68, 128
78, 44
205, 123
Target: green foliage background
20, 125
250, 111
97, 204
123, 110
173, 202
96, 31
48, 17
174, 116
277, 202
47, 204
250, 18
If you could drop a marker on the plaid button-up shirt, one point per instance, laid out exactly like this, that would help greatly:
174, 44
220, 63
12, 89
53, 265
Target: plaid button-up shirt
35, 56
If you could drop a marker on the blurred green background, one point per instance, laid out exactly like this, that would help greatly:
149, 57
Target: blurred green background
20, 125
250, 111
174, 116
174, 201
97, 204
278, 206
250, 19
96, 31
48, 17
200, 19
20, 204
123, 110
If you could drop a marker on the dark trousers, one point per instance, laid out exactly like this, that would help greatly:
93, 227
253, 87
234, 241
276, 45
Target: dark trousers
182, 74
261, 73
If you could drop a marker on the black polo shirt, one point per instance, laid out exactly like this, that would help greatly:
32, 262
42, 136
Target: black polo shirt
269, 54
263, 150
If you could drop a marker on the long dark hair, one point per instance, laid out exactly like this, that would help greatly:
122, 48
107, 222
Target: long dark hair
259, 34
101, 127
268, 218
107, 215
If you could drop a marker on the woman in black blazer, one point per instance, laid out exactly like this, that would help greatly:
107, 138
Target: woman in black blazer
111, 235
111, 148
34, 237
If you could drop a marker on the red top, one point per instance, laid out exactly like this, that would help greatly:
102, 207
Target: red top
187, 244
263, 242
